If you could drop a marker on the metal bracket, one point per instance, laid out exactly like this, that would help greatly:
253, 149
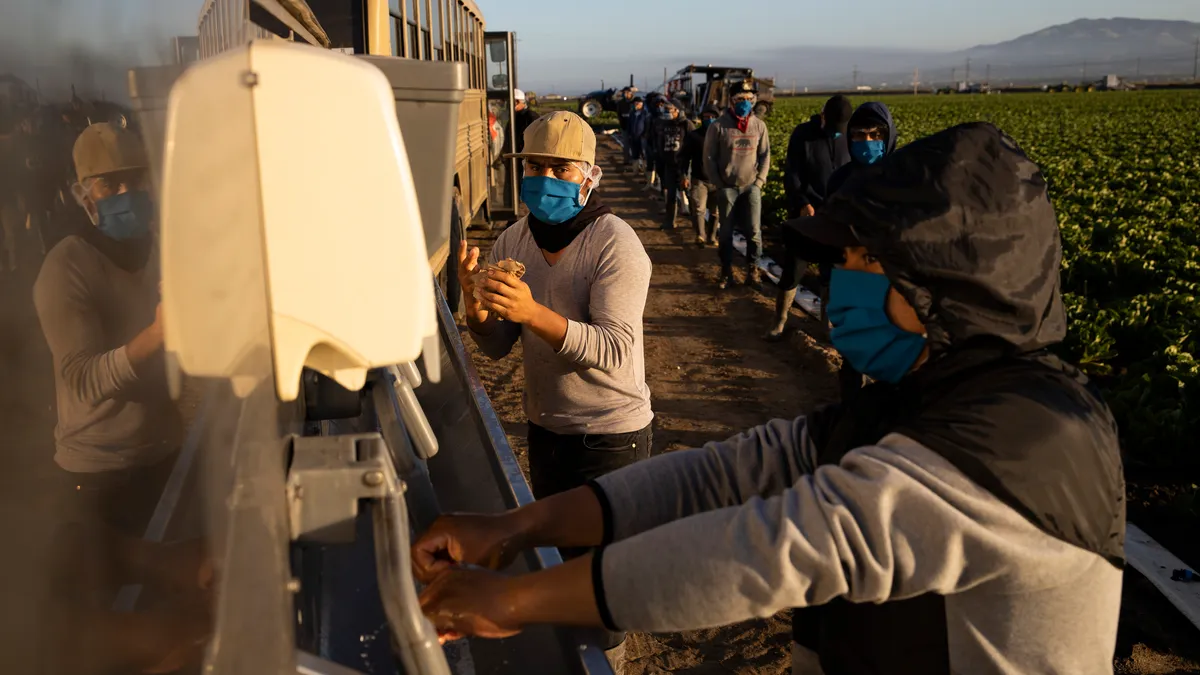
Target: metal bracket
327, 478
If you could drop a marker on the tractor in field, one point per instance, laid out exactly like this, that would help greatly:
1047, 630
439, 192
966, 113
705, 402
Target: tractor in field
695, 87
601, 101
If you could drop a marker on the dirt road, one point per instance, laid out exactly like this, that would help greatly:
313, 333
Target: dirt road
712, 376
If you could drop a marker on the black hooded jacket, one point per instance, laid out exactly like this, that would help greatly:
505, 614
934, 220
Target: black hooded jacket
865, 115
813, 154
965, 231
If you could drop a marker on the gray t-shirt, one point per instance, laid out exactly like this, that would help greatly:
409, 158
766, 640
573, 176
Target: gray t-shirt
109, 417
597, 383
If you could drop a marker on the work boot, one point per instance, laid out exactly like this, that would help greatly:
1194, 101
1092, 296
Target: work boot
783, 308
726, 280
753, 276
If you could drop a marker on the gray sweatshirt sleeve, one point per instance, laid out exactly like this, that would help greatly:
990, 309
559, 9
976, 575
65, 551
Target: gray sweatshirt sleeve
497, 344
712, 141
764, 156
761, 462
892, 521
75, 334
616, 303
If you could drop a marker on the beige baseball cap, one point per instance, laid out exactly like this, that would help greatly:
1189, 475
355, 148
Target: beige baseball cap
560, 135
103, 148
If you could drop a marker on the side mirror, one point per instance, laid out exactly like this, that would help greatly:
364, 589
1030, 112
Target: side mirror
500, 82
336, 280
498, 52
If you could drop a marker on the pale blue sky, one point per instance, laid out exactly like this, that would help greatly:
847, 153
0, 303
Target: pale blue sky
565, 42
571, 46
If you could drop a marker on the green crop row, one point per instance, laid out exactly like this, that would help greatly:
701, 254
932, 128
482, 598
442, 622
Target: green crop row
1124, 175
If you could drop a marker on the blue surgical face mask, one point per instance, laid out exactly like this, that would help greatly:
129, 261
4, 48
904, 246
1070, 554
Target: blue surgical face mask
743, 108
837, 134
868, 152
125, 216
552, 200
862, 331
707, 122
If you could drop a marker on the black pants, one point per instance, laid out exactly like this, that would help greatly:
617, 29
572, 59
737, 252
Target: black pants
559, 462
670, 185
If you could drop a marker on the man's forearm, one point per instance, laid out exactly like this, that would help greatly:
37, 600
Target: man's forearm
549, 326
479, 319
568, 519
144, 345
562, 595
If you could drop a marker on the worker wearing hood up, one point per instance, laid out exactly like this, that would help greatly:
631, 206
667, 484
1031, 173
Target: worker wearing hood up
872, 136
965, 514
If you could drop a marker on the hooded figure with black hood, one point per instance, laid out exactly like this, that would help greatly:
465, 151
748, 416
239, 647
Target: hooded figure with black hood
965, 514
872, 136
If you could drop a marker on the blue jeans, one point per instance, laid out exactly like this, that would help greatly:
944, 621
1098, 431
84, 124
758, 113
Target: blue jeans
746, 203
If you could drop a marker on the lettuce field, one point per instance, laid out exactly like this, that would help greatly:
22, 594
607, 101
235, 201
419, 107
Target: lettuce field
1124, 174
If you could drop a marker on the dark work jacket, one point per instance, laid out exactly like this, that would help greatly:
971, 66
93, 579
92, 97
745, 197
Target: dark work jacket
639, 120
668, 139
813, 155
692, 156
977, 254
864, 112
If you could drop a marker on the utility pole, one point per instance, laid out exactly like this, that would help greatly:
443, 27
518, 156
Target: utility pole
916, 79
968, 78
664, 80
793, 86
1196, 63
856, 77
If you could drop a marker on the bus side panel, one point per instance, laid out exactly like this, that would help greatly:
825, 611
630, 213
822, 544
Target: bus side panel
472, 153
475, 105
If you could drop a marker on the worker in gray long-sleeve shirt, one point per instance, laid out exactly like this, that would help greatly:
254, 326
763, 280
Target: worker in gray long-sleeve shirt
577, 310
118, 431
964, 514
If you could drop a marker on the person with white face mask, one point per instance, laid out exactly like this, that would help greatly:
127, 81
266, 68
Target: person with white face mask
577, 311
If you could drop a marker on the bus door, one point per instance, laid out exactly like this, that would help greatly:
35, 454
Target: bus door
501, 81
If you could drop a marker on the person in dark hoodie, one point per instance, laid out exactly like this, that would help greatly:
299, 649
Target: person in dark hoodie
695, 180
815, 150
669, 135
871, 135
965, 514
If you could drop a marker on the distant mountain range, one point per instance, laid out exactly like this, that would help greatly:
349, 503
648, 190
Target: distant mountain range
1086, 49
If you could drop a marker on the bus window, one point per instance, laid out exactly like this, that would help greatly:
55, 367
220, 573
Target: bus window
426, 38
435, 13
414, 31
